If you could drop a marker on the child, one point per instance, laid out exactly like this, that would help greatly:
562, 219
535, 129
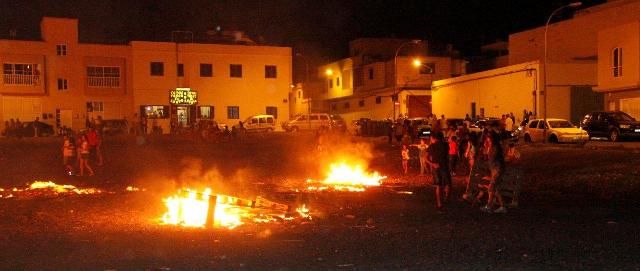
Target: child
423, 155
453, 154
405, 159
68, 150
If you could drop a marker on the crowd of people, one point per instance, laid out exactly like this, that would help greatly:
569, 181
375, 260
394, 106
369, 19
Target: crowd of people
451, 150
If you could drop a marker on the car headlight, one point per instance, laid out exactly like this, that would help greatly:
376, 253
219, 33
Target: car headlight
625, 126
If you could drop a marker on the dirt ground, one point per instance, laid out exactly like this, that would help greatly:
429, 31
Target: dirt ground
579, 210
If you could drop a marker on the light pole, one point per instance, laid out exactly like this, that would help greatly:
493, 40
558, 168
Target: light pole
395, 74
544, 71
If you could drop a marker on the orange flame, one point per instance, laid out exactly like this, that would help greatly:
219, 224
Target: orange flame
344, 177
192, 210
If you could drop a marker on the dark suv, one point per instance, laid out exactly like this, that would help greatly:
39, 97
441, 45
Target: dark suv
612, 124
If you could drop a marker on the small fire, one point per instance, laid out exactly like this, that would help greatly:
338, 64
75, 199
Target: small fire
47, 188
303, 211
344, 177
64, 188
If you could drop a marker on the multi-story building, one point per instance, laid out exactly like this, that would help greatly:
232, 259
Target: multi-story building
62, 81
579, 67
381, 80
619, 67
65, 82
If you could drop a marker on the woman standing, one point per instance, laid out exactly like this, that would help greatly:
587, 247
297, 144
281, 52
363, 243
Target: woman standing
84, 156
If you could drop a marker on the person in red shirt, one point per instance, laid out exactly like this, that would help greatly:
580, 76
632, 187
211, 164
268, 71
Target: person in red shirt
93, 138
453, 154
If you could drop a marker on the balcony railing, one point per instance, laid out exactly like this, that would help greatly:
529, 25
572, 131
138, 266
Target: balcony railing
21, 80
103, 82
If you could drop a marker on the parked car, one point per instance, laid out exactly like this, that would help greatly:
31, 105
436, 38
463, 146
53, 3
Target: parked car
557, 131
114, 126
259, 123
421, 127
615, 125
28, 129
309, 122
478, 126
338, 124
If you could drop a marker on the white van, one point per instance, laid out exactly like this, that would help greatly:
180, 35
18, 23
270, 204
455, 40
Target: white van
260, 123
313, 121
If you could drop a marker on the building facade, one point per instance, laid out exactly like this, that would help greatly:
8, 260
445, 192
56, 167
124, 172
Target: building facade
66, 83
374, 83
619, 67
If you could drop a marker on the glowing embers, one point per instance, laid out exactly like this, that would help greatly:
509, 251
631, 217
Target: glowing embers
49, 188
345, 177
191, 208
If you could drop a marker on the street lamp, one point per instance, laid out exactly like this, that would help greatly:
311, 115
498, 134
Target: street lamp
395, 73
544, 71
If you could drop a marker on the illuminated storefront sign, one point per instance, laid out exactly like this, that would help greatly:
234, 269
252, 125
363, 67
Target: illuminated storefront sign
183, 96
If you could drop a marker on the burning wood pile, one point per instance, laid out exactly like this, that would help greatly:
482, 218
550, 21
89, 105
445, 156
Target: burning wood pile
205, 209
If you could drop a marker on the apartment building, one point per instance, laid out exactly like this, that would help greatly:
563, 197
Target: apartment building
386, 78
65, 82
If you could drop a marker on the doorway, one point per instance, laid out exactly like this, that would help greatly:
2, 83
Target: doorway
182, 112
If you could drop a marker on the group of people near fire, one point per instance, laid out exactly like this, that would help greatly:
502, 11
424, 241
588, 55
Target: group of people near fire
485, 158
83, 149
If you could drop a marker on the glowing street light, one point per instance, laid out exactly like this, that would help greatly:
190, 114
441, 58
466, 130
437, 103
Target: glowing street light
544, 71
395, 73
328, 72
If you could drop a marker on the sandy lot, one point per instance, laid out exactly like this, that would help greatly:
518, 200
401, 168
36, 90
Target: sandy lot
579, 210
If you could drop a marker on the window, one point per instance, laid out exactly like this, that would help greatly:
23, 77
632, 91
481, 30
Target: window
180, 70
206, 70
338, 82
61, 49
378, 100
330, 83
157, 68
324, 117
205, 112
370, 73
62, 84
428, 68
347, 105
533, 124
235, 70
21, 74
313, 117
272, 110
616, 62
361, 103
270, 71
103, 77
155, 111
334, 107
233, 112
95, 107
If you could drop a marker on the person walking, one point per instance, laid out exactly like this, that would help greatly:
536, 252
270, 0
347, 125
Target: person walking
84, 156
405, 159
492, 150
68, 151
438, 159
453, 154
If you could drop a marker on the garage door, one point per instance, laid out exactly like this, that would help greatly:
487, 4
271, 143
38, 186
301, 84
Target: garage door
631, 106
23, 108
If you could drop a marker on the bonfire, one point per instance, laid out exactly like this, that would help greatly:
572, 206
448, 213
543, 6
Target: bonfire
345, 177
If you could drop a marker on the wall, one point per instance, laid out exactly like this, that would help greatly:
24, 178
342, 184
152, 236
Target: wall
498, 91
627, 37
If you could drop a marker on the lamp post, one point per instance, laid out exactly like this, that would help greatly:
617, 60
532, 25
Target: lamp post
395, 74
544, 71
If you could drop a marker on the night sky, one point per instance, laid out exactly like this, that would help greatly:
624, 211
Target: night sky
321, 28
